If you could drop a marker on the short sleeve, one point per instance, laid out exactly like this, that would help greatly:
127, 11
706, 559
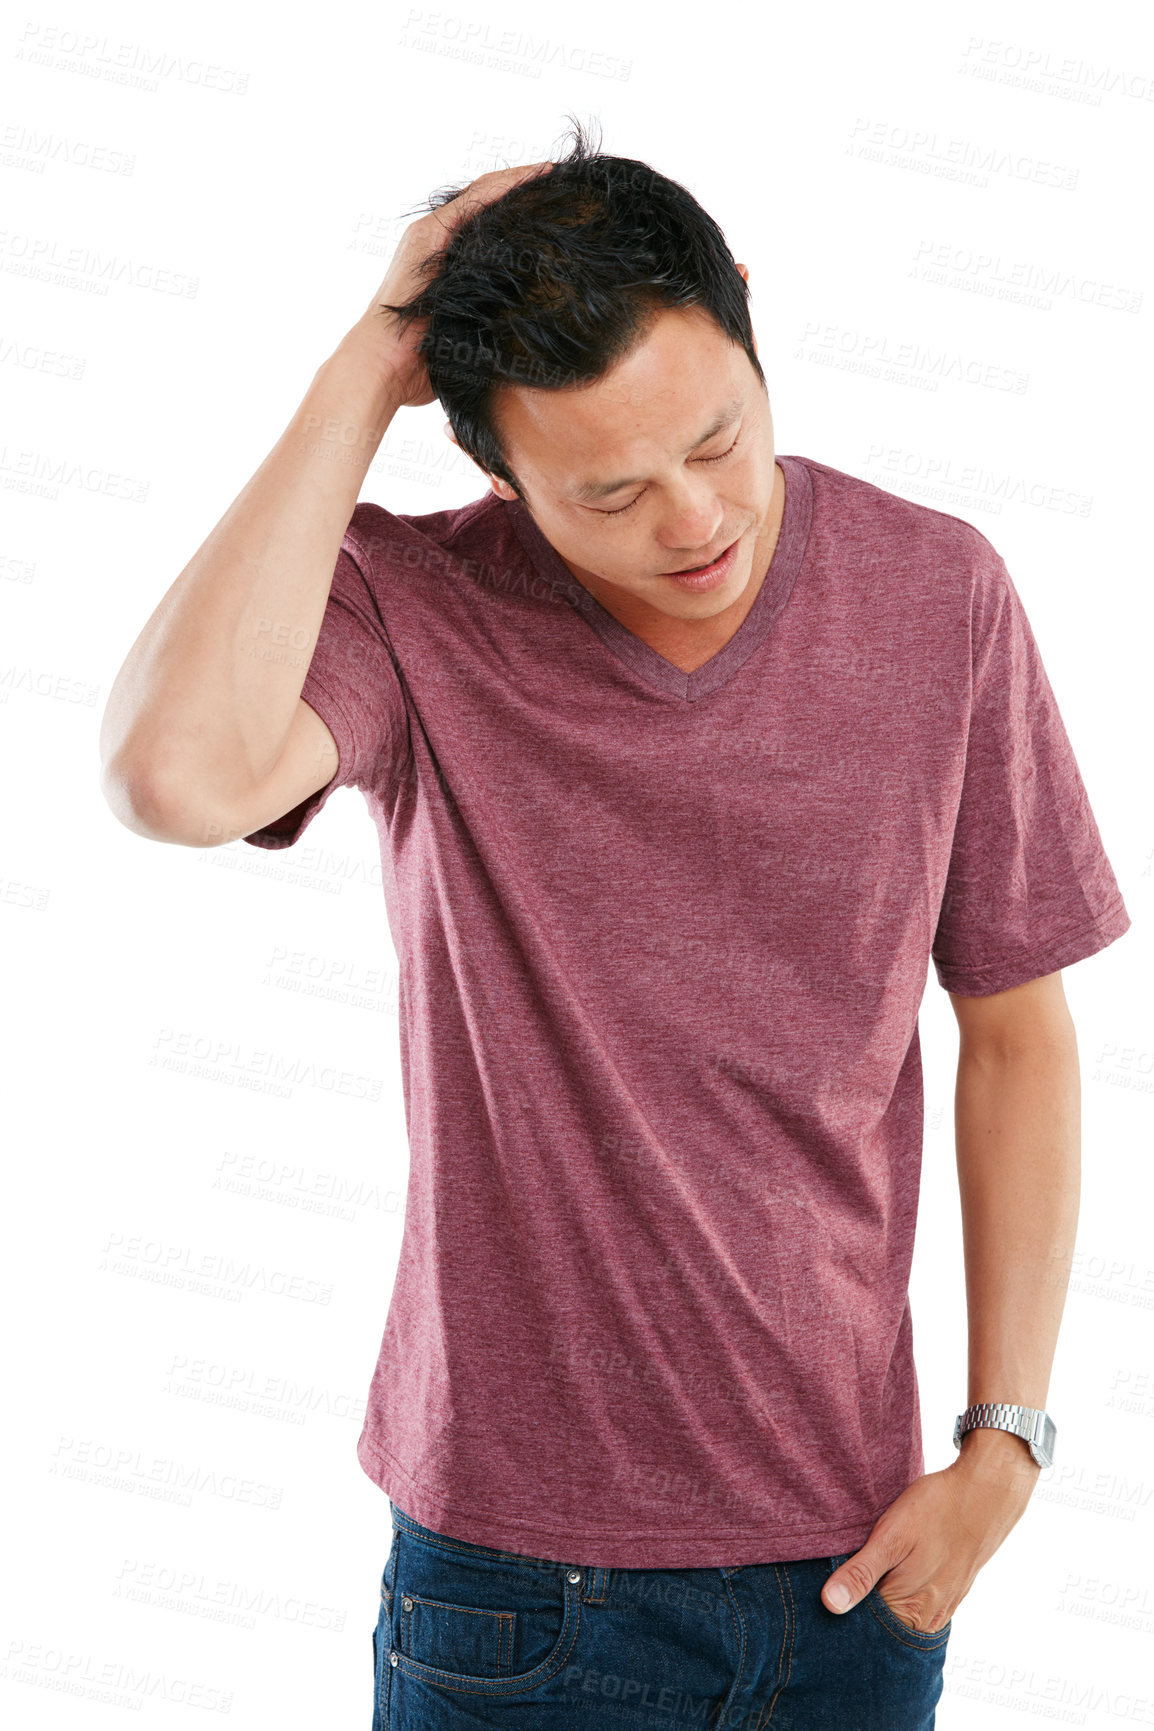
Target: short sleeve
1029, 889
353, 684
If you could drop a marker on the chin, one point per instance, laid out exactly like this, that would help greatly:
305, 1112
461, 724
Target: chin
682, 606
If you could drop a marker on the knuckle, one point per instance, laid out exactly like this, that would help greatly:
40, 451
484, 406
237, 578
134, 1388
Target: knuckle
858, 1577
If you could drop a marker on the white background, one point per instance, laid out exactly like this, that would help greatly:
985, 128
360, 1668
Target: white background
935, 205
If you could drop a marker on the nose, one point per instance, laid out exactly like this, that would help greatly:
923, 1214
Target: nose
691, 521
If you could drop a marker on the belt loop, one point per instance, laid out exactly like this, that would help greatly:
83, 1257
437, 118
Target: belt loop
595, 1584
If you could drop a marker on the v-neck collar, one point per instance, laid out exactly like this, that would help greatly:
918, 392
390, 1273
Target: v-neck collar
788, 553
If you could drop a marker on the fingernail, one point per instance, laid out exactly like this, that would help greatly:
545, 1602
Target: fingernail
839, 1596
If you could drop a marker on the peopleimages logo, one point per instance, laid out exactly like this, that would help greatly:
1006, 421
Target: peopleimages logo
476, 40
28, 148
223, 1060
937, 477
921, 365
118, 62
48, 259
895, 145
1023, 281
1039, 69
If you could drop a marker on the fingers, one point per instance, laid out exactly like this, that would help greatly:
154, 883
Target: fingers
495, 183
430, 234
517, 172
849, 1584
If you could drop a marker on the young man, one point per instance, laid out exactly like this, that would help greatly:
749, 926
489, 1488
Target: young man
686, 758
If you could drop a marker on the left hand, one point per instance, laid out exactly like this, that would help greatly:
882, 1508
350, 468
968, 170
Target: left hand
928, 1546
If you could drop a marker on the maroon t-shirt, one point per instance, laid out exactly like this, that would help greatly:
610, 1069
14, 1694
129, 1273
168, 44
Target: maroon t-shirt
662, 939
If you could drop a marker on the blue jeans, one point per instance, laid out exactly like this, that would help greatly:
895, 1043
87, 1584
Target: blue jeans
469, 1636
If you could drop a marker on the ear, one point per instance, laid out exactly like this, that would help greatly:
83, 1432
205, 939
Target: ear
501, 488
744, 269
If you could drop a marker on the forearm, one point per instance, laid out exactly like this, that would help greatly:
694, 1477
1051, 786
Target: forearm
1017, 1124
207, 694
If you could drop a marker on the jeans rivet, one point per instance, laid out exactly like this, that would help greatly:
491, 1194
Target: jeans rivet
574, 1575
407, 1603
392, 1658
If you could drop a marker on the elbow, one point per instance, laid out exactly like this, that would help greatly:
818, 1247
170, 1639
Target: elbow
160, 807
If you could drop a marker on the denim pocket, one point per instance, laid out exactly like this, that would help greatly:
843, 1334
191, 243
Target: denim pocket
466, 1638
470, 1618
930, 1640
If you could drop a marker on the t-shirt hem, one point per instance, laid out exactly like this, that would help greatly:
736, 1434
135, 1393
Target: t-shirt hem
644, 1549
330, 709
1061, 952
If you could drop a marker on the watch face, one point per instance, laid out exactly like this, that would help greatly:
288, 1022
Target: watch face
1043, 1449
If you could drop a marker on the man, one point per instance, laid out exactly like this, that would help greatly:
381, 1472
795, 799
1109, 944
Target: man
686, 758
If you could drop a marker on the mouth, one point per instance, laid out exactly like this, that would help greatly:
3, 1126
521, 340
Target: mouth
705, 576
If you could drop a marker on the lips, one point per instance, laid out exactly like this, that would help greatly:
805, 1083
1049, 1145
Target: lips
689, 570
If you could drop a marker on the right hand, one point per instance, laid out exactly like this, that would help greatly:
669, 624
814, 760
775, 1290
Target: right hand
403, 282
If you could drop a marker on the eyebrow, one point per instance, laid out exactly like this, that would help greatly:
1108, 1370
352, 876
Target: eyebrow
600, 489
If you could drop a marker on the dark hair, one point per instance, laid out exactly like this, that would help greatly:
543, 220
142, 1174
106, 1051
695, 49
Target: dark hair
551, 284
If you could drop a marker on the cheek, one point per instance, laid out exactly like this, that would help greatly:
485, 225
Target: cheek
756, 476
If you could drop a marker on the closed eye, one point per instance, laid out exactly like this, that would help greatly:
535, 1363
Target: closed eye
621, 512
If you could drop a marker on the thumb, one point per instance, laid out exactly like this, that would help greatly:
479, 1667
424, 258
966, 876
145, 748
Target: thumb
850, 1583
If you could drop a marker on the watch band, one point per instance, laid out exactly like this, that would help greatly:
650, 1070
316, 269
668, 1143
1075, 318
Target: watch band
1035, 1427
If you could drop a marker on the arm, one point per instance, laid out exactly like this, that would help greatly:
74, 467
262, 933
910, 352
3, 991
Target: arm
1017, 1123
205, 736
1017, 1117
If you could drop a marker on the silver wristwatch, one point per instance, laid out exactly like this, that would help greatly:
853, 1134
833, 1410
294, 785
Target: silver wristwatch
1029, 1422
